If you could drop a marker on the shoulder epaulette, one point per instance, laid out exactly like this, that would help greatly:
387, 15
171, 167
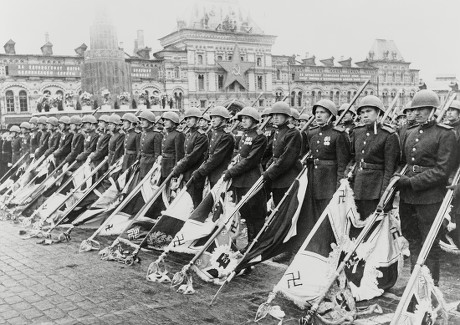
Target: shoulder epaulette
291, 126
339, 128
360, 125
138, 131
387, 128
259, 132
445, 126
201, 131
412, 126
314, 127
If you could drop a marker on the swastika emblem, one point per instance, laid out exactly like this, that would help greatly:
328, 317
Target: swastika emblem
108, 227
395, 233
179, 240
342, 196
223, 260
292, 279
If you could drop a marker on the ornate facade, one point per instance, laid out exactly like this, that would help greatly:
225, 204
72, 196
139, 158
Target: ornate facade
216, 56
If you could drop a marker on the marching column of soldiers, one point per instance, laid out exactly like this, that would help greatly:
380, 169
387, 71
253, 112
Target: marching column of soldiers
368, 153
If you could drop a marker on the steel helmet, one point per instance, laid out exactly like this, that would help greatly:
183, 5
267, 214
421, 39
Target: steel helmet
33, 120
281, 108
147, 115
295, 113
304, 117
115, 119
130, 117
75, 119
104, 118
455, 104
249, 111
25, 125
192, 112
89, 119
266, 112
407, 107
206, 117
220, 111
425, 98
64, 120
344, 107
158, 120
42, 120
327, 104
173, 117
52, 120
15, 128
371, 101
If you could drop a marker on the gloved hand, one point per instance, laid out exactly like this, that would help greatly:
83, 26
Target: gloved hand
66, 165
403, 182
88, 160
266, 177
227, 176
10, 164
31, 156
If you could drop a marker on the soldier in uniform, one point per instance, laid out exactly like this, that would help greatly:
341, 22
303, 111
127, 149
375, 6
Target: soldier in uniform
220, 149
116, 140
132, 140
295, 116
410, 122
15, 144
329, 155
78, 139
6, 153
248, 169
44, 136
375, 150
430, 153
102, 145
284, 166
91, 137
348, 121
269, 132
150, 145
204, 122
172, 146
34, 136
53, 141
65, 142
25, 141
195, 148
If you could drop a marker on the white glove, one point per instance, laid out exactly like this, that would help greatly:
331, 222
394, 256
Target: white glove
32, 156
88, 160
66, 165
10, 164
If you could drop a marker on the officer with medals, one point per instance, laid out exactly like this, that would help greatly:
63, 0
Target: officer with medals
25, 140
44, 136
102, 145
195, 148
220, 148
78, 139
430, 153
116, 141
375, 150
15, 144
172, 146
150, 145
247, 170
269, 132
91, 137
34, 136
65, 142
329, 155
132, 140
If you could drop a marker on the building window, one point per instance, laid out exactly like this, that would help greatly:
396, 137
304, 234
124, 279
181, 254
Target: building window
261, 102
319, 95
200, 82
203, 103
259, 62
176, 73
299, 99
313, 97
178, 99
337, 97
23, 101
200, 59
348, 96
219, 58
331, 95
259, 83
293, 98
230, 57
242, 58
293, 76
220, 81
231, 87
278, 74
9, 101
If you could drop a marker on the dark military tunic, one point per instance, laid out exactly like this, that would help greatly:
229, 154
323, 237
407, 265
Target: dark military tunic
53, 143
65, 147
89, 145
376, 157
348, 127
15, 149
6, 152
25, 147
404, 130
131, 148
150, 149
115, 147
43, 144
330, 154
102, 149
285, 165
172, 150
76, 147
220, 154
269, 132
34, 141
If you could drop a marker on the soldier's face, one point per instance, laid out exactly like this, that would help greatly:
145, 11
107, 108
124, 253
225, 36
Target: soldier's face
168, 124
73, 127
302, 123
348, 117
216, 121
126, 125
112, 127
247, 122
102, 125
368, 115
49, 127
452, 114
190, 122
33, 126
61, 126
203, 123
144, 124
422, 114
88, 127
322, 115
279, 119
410, 115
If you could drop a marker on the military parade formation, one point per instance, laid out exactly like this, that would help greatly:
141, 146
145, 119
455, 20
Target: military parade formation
154, 178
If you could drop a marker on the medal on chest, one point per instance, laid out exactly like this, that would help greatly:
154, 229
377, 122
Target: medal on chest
327, 141
248, 141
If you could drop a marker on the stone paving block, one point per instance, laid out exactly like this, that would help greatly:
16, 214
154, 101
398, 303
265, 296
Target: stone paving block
78, 313
18, 320
43, 305
10, 313
31, 313
13, 299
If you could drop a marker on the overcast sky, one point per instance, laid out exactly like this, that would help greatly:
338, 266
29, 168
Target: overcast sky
425, 31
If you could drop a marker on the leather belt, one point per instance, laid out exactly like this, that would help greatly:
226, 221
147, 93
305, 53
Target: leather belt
365, 165
148, 155
168, 155
418, 169
321, 162
131, 152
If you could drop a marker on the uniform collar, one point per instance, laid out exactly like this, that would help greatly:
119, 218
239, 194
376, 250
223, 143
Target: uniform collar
427, 124
326, 127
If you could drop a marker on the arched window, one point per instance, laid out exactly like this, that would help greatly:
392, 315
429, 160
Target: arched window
348, 96
299, 99
220, 81
313, 97
219, 58
23, 101
9, 101
176, 73
200, 82
178, 99
337, 97
278, 74
259, 62
259, 83
200, 59
319, 95
331, 95
293, 98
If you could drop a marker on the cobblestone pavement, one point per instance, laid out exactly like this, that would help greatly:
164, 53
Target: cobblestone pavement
57, 285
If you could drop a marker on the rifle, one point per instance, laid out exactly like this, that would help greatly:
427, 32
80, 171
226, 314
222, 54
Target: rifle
337, 122
446, 106
429, 241
234, 126
12, 169
185, 130
390, 108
